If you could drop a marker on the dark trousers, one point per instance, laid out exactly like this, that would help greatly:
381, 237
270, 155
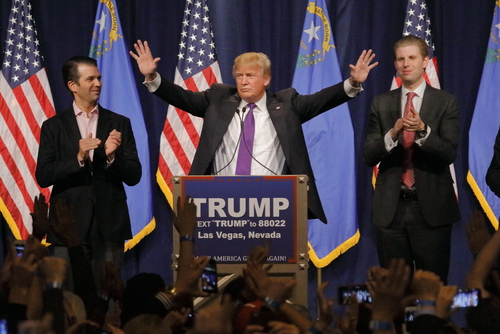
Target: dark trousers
97, 251
410, 237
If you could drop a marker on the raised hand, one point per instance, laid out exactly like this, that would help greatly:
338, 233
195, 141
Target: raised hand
445, 301
147, 64
111, 282
189, 276
39, 217
426, 285
53, 269
325, 309
185, 218
360, 71
65, 229
389, 293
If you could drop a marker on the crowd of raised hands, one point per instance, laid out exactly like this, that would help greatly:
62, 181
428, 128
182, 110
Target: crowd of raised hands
33, 298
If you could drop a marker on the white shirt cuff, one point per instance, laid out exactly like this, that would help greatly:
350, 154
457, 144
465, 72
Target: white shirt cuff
389, 143
350, 90
152, 86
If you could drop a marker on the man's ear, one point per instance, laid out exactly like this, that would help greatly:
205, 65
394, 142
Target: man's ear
267, 82
426, 61
72, 86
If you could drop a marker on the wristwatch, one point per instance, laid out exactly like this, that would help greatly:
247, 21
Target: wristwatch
422, 133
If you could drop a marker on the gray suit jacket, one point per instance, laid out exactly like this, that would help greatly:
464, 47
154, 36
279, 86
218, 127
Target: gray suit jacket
287, 109
433, 181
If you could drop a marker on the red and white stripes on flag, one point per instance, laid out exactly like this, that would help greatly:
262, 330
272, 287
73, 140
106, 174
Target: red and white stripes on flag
196, 70
25, 103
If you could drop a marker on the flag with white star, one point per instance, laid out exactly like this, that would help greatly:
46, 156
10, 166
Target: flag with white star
119, 94
418, 23
328, 136
485, 125
25, 103
197, 69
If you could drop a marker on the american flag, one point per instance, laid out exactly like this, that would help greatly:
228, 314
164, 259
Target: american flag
197, 69
417, 23
25, 102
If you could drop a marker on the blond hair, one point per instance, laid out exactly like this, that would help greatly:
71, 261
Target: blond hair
412, 40
257, 59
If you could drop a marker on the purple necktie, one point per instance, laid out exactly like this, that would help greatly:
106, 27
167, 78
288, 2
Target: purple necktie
246, 145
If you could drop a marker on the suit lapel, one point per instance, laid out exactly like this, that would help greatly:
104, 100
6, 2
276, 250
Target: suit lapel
396, 112
104, 127
71, 126
428, 103
224, 117
277, 115
104, 124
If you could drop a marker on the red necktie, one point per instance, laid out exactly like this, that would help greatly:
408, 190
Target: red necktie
408, 141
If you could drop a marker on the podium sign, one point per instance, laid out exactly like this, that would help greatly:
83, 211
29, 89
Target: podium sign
236, 213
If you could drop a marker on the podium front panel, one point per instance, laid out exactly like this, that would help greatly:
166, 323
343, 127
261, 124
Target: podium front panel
236, 213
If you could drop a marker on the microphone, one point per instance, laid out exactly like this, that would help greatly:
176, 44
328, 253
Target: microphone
242, 116
246, 146
243, 110
239, 139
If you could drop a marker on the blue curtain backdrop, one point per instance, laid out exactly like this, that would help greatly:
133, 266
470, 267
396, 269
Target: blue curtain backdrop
460, 30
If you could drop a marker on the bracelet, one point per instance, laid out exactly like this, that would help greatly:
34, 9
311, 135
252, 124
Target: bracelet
187, 237
53, 285
426, 302
314, 330
272, 303
381, 325
163, 298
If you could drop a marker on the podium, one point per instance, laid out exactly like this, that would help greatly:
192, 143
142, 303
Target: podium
236, 213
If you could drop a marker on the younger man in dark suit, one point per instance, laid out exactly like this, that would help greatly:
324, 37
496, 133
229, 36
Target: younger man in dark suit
86, 153
413, 134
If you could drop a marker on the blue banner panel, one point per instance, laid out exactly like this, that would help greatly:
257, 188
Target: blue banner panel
237, 213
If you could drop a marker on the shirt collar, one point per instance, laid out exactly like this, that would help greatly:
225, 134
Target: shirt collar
261, 104
419, 90
79, 112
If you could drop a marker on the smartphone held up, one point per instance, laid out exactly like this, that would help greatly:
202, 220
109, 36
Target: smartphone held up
209, 277
358, 291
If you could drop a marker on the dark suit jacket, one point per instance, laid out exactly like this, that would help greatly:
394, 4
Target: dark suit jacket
287, 109
433, 181
93, 187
